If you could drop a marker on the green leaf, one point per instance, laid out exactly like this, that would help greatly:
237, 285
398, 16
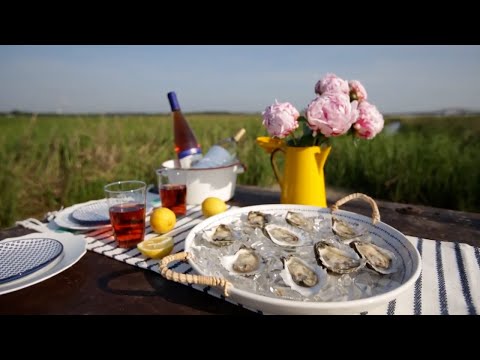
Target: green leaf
306, 140
302, 119
290, 142
306, 130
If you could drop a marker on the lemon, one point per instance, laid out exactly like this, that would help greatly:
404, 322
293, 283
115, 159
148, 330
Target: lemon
157, 247
213, 206
162, 220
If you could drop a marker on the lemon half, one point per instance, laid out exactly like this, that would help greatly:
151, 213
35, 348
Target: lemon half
156, 247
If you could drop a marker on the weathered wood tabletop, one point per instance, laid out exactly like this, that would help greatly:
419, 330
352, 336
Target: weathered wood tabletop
100, 285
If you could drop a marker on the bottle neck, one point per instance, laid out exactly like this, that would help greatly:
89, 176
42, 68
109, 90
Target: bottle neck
172, 99
239, 135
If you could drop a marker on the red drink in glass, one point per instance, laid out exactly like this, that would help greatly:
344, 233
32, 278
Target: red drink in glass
128, 222
174, 197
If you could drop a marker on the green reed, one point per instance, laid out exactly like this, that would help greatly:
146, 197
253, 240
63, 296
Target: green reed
51, 161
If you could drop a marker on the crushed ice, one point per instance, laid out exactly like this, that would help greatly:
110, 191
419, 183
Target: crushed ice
361, 284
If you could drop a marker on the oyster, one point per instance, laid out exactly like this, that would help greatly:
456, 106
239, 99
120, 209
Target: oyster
379, 259
220, 235
301, 277
284, 235
337, 257
244, 262
345, 230
258, 219
299, 220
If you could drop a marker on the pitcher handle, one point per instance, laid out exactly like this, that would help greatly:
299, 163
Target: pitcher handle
274, 166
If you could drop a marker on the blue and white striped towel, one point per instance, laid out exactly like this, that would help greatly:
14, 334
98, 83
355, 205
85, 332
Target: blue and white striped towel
449, 283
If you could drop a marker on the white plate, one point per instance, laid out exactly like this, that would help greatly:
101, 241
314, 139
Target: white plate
394, 240
21, 257
74, 247
65, 219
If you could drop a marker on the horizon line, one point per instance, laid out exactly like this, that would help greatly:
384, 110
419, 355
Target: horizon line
446, 112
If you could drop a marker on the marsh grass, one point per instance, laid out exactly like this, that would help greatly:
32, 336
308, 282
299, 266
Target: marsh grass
51, 161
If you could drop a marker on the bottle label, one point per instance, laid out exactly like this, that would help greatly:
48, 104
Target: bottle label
187, 157
188, 152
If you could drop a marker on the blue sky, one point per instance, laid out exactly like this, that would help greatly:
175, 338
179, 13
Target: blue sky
236, 78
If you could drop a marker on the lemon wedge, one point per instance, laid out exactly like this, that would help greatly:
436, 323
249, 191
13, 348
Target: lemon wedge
156, 247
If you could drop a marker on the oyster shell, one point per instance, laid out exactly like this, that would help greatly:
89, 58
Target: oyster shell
299, 220
284, 235
301, 277
337, 257
345, 230
379, 259
244, 262
257, 218
221, 235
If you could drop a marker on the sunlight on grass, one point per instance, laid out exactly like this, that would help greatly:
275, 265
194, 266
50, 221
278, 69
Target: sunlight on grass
47, 161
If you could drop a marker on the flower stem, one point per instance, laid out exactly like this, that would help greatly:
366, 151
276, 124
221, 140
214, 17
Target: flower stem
294, 139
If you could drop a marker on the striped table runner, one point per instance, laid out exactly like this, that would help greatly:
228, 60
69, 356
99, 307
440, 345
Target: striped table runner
449, 283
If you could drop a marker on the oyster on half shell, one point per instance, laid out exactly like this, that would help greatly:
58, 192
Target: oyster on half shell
246, 261
379, 259
287, 236
345, 230
258, 219
299, 220
301, 277
337, 257
221, 235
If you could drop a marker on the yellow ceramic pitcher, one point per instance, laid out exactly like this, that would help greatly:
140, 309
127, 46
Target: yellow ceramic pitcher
302, 181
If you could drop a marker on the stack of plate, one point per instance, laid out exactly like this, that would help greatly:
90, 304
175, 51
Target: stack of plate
33, 258
19, 258
87, 216
94, 214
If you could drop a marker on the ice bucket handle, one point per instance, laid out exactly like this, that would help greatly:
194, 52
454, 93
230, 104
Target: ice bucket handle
368, 199
188, 278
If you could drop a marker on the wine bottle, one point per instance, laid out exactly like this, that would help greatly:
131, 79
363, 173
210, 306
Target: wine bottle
187, 148
222, 153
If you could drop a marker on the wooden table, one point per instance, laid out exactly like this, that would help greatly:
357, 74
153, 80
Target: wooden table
100, 285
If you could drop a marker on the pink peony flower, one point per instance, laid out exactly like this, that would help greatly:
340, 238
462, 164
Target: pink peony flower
331, 83
340, 107
369, 121
280, 119
357, 91
332, 114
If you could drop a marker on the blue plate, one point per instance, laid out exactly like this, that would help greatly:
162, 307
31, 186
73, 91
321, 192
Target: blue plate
19, 258
95, 213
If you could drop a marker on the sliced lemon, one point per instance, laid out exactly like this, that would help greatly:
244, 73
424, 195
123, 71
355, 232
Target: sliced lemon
157, 247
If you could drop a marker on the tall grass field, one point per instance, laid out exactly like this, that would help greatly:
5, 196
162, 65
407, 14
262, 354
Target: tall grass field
47, 162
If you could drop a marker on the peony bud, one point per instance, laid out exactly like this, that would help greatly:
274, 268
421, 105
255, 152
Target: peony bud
280, 119
331, 83
369, 121
357, 91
